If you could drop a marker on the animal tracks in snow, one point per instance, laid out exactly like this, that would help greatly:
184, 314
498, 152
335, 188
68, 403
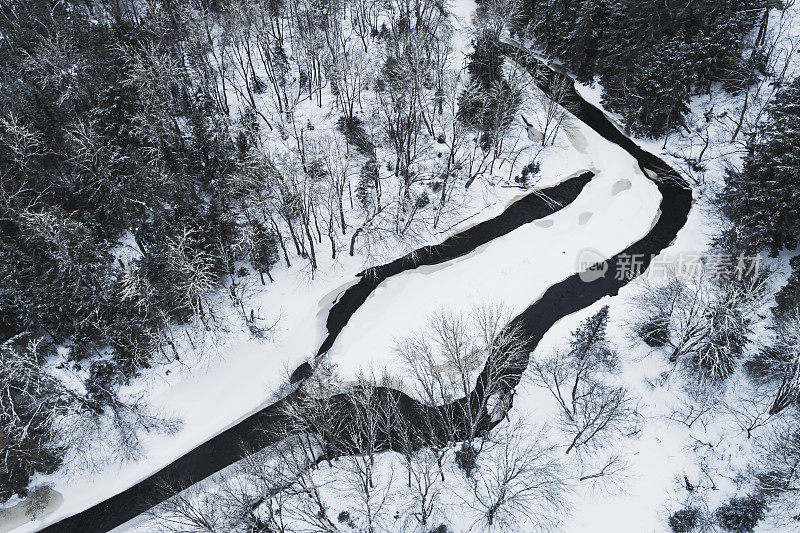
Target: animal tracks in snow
620, 186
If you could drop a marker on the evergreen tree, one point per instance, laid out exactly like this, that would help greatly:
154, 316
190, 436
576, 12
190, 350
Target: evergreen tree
762, 199
100, 140
485, 68
649, 55
684, 520
263, 249
589, 339
741, 515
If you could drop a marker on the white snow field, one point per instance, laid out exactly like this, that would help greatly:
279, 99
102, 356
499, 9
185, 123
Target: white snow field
237, 376
234, 375
514, 269
227, 376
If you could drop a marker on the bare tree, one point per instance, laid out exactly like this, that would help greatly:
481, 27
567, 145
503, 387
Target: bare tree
274, 489
190, 509
697, 405
31, 400
338, 172
592, 408
604, 474
771, 51
454, 135
296, 187
369, 408
399, 105
192, 267
554, 110
749, 408
279, 487
316, 416
778, 365
364, 19
308, 40
238, 25
458, 353
425, 489
205, 53
518, 483
347, 65
271, 26
705, 322
778, 473
415, 54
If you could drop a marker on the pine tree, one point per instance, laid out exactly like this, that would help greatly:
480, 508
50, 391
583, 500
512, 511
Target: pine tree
763, 199
741, 515
650, 55
589, 339
263, 249
485, 68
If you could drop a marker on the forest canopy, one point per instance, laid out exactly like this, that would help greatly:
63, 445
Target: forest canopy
650, 56
155, 152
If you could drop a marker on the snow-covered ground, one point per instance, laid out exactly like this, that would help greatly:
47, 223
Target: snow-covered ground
617, 208
235, 375
228, 374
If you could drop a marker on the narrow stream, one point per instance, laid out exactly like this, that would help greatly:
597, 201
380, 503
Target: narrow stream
563, 298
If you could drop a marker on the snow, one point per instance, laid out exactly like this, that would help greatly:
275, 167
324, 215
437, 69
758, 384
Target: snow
228, 374
514, 269
235, 375
244, 377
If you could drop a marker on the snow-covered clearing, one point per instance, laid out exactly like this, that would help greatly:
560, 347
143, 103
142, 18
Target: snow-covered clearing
235, 374
228, 374
513, 270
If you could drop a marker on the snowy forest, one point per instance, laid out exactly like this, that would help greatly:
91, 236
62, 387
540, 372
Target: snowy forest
321, 265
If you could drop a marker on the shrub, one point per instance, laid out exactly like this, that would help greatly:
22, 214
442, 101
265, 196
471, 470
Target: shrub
741, 514
345, 518
773, 482
353, 130
467, 458
655, 332
529, 171
684, 520
37, 501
